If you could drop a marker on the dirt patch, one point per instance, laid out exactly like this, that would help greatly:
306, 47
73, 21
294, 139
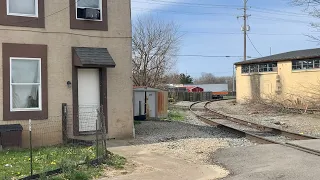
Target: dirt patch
130, 168
266, 115
170, 143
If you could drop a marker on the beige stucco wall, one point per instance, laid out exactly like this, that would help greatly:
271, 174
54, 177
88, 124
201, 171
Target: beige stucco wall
57, 35
293, 85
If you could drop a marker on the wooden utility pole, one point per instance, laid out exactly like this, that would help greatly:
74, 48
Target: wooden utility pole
244, 29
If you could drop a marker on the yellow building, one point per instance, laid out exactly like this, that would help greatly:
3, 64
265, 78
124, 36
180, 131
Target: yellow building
290, 78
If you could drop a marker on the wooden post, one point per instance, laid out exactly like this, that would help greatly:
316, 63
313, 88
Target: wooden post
64, 123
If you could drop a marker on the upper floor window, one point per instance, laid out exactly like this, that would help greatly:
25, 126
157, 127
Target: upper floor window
264, 67
305, 64
28, 8
89, 10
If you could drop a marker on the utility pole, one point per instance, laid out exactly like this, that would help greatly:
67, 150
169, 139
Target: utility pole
244, 29
270, 51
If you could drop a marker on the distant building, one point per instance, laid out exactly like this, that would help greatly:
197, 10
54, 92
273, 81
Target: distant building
289, 77
194, 89
213, 87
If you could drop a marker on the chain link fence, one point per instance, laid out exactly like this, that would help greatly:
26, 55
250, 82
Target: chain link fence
29, 149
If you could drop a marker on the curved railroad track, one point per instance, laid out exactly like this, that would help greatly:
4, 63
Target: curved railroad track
255, 132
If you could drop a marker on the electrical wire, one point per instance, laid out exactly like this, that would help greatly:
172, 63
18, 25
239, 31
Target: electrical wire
207, 56
253, 45
69, 33
180, 12
54, 13
225, 14
257, 9
161, 2
234, 33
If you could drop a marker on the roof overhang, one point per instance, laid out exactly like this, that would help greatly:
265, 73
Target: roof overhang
92, 57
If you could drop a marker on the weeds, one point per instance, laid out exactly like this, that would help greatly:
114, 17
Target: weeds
16, 163
176, 115
116, 161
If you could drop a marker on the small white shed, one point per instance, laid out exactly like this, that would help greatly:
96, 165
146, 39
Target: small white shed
149, 103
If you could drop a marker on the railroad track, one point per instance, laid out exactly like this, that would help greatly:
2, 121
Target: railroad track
255, 132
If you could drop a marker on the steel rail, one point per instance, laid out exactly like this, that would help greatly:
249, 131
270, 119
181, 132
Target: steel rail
253, 137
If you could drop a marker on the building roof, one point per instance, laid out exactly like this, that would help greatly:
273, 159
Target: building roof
94, 56
144, 88
292, 55
213, 87
192, 87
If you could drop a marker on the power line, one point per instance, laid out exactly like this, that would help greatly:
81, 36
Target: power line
280, 19
69, 33
234, 33
280, 11
73, 4
180, 12
258, 9
208, 56
253, 45
187, 4
225, 14
283, 14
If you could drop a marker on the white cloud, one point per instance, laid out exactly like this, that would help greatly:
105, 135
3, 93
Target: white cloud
140, 7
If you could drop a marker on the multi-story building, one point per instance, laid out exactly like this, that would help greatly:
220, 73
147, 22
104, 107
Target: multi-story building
76, 52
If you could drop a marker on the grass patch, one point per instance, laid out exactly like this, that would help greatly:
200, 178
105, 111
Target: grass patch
87, 172
116, 161
82, 172
229, 97
176, 115
16, 163
137, 122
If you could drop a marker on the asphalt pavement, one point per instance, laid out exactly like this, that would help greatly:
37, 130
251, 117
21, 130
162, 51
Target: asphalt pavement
268, 162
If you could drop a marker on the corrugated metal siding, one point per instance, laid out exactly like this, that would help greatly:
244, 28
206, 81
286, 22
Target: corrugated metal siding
162, 104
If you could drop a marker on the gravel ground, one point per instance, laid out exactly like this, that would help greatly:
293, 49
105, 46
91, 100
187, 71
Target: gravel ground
183, 103
300, 123
190, 139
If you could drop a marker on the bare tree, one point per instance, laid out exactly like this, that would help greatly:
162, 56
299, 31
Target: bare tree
154, 44
312, 7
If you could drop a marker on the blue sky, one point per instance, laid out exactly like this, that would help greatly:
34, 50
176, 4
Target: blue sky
213, 29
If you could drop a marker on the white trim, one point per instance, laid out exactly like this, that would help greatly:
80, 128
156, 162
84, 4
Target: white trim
36, 6
21, 84
81, 19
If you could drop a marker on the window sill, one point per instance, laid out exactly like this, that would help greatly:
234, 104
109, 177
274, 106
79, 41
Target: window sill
95, 20
25, 110
305, 70
23, 15
260, 73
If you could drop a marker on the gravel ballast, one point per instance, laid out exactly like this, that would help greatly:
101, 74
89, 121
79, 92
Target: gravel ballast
190, 139
300, 123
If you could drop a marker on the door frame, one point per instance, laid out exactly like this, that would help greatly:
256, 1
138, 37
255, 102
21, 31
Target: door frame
103, 95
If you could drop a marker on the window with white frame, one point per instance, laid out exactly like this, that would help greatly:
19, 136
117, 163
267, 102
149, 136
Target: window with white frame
89, 9
25, 84
27, 8
305, 64
263, 67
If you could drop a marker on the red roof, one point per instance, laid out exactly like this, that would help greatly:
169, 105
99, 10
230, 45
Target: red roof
190, 87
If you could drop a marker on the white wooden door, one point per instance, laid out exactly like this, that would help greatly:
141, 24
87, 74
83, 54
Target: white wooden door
152, 104
88, 98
